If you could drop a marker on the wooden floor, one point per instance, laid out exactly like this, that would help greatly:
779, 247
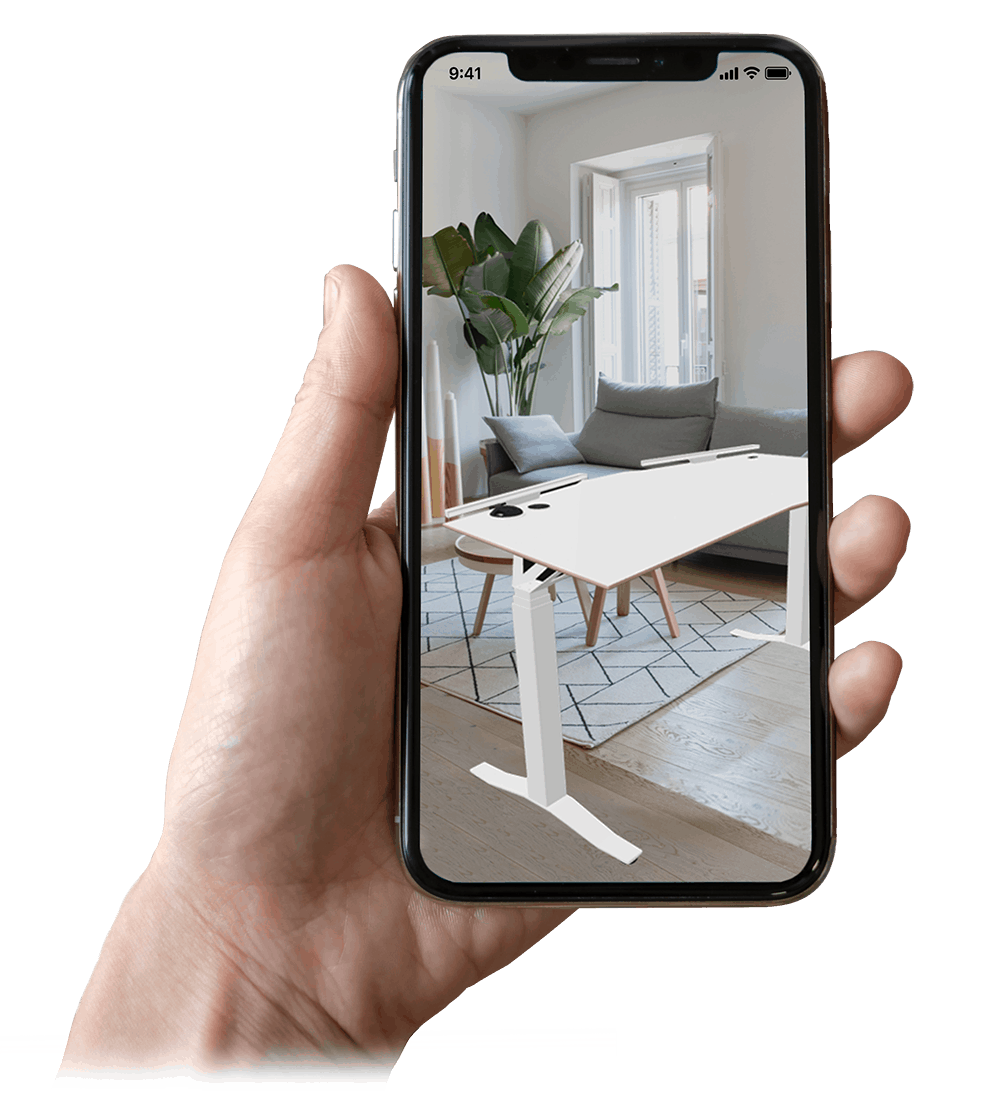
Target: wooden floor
712, 787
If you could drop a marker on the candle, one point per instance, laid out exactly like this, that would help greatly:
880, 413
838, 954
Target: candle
434, 419
452, 453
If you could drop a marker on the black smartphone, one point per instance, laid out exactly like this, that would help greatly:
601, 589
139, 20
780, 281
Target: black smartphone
614, 470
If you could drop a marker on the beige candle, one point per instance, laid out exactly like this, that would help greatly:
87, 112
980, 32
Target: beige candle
434, 419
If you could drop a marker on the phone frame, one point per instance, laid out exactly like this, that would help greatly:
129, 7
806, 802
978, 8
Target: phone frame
409, 165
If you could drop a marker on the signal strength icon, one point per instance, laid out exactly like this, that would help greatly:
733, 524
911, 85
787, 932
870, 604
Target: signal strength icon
734, 74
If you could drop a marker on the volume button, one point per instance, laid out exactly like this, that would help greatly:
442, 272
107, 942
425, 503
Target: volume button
396, 220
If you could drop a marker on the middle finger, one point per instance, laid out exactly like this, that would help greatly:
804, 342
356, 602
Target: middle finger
866, 542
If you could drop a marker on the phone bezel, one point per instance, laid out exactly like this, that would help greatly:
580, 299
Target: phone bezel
408, 433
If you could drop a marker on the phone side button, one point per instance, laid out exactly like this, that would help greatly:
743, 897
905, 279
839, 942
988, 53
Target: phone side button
396, 220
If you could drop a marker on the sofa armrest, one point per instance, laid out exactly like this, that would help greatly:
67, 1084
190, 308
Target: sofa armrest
497, 459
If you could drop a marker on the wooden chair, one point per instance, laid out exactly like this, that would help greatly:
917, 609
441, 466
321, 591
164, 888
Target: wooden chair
491, 560
592, 609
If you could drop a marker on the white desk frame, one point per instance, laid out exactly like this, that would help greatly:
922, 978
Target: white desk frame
543, 783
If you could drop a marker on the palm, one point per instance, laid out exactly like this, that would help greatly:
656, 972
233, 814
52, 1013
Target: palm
281, 781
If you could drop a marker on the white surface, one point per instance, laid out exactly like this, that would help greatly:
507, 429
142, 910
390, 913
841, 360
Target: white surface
482, 1068
177, 180
614, 528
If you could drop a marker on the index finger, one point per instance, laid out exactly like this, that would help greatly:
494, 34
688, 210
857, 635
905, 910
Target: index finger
869, 390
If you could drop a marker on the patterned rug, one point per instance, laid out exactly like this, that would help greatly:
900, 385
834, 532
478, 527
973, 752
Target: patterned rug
634, 669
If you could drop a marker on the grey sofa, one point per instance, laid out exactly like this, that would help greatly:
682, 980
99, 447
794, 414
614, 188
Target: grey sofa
690, 427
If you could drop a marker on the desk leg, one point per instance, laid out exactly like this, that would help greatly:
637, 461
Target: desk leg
544, 755
796, 585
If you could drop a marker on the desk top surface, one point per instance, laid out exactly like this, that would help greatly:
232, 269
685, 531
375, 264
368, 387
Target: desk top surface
611, 529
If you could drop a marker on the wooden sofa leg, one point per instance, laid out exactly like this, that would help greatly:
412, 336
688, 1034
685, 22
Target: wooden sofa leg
666, 604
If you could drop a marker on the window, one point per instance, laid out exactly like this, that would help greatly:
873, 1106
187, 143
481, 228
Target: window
650, 220
665, 267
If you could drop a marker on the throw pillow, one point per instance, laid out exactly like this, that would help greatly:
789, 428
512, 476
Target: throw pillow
534, 442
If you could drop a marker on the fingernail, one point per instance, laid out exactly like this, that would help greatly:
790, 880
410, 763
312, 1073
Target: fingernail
330, 296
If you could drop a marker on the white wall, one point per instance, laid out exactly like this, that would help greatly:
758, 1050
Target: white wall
764, 230
473, 162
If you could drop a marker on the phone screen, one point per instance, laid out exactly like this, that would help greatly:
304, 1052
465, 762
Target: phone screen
621, 645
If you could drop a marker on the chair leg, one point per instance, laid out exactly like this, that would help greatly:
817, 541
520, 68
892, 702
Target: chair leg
596, 616
480, 615
623, 598
582, 592
666, 604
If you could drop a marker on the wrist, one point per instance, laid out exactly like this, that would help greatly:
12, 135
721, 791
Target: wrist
170, 991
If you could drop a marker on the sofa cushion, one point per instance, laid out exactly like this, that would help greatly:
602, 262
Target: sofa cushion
611, 439
533, 442
660, 401
775, 430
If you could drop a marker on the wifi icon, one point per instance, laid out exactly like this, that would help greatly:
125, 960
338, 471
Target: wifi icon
752, 71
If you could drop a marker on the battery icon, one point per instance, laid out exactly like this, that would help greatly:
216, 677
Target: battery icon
777, 72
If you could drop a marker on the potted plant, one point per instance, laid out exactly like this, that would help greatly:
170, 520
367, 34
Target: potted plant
513, 296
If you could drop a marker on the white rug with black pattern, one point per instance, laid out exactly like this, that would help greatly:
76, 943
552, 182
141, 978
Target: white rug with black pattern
634, 669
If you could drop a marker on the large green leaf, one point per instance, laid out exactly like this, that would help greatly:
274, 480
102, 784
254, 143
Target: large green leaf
489, 238
533, 251
492, 274
549, 281
521, 324
446, 257
467, 236
487, 356
494, 325
571, 309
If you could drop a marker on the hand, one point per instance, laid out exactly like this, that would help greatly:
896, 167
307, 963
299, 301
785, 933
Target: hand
274, 922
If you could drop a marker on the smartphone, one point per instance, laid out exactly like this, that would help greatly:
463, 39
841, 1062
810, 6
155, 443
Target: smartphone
614, 470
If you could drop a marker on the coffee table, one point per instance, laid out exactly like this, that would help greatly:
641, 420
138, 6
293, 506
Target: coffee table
611, 530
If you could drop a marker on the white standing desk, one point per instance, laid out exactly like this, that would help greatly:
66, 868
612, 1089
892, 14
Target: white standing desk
608, 531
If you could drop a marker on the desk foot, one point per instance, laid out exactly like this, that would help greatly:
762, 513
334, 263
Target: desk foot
769, 638
566, 809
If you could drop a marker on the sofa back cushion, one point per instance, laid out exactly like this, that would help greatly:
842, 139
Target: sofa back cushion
776, 430
659, 401
634, 422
